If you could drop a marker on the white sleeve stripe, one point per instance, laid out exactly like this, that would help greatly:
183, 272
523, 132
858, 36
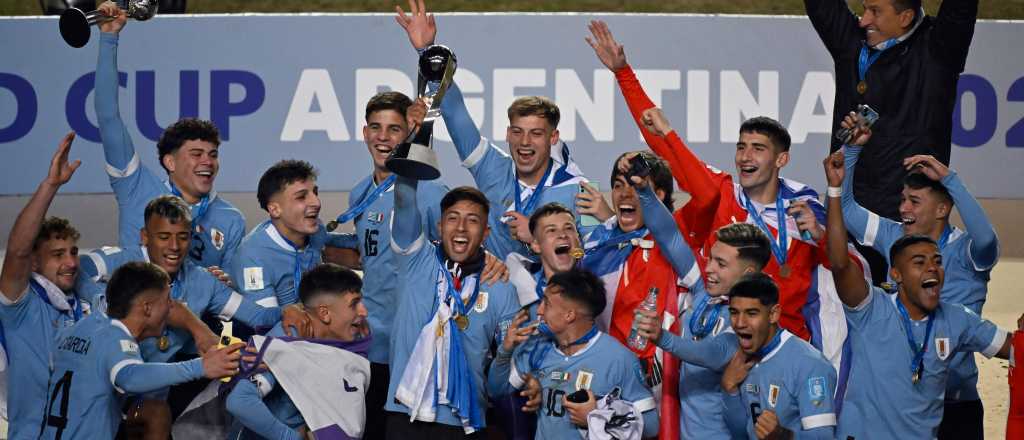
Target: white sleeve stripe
477, 154
262, 385
997, 343
692, 276
133, 165
970, 256
231, 307
818, 420
270, 301
645, 405
413, 248
101, 266
117, 369
871, 231
863, 304
4, 300
515, 379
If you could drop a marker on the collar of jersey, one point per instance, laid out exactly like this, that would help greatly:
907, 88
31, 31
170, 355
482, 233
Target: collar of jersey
276, 237
895, 297
585, 348
784, 338
212, 194
117, 323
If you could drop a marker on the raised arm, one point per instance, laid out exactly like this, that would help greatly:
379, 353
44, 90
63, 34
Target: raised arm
136, 377
407, 227
17, 266
835, 23
867, 228
117, 144
984, 244
849, 277
662, 225
954, 30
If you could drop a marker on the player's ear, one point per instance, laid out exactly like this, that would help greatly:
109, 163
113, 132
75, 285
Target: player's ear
775, 314
535, 245
942, 209
555, 137
168, 161
323, 314
143, 236
782, 159
274, 209
895, 274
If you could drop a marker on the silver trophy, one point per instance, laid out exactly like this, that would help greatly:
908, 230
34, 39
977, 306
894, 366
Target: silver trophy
76, 26
415, 158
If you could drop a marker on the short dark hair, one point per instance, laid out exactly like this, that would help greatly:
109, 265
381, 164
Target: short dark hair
906, 241
751, 243
918, 180
756, 285
582, 286
55, 228
186, 129
541, 106
170, 207
279, 175
769, 127
661, 174
467, 193
128, 282
392, 100
546, 210
903, 5
328, 279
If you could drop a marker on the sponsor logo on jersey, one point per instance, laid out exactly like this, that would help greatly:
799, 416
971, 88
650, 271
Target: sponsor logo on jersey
129, 346
816, 389
253, 278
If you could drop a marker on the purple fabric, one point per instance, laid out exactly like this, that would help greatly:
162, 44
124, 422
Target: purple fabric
360, 347
333, 432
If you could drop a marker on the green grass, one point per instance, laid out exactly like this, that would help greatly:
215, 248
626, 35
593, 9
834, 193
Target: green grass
1005, 9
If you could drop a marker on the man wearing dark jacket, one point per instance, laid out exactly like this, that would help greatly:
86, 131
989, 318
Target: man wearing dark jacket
905, 65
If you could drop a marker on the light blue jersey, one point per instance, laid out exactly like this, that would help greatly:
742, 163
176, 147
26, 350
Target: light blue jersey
967, 258
266, 265
495, 174
194, 286
95, 363
494, 308
882, 401
795, 381
373, 227
264, 408
601, 366
218, 227
30, 327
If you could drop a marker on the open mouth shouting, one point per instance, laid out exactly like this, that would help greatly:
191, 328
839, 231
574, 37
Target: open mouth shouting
382, 151
931, 287
908, 220
746, 340
460, 244
747, 170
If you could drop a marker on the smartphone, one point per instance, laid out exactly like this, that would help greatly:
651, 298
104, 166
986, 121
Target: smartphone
589, 220
579, 396
638, 167
226, 339
866, 117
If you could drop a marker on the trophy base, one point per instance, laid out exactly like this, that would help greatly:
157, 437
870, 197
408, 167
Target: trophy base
414, 161
74, 27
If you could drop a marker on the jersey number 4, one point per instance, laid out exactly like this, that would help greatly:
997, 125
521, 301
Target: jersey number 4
63, 389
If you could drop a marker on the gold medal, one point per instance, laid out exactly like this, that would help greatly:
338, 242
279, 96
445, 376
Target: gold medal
462, 321
576, 253
916, 377
332, 225
784, 271
163, 343
862, 87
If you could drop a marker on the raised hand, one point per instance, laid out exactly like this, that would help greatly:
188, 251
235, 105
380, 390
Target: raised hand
655, 122
624, 166
805, 219
608, 50
578, 412
531, 393
415, 114
295, 317
516, 334
118, 17
591, 202
736, 371
519, 227
768, 428
861, 133
60, 170
648, 324
419, 25
835, 169
928, 165
495, 270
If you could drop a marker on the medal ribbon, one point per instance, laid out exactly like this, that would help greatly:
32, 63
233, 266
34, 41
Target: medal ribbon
944, 238
917, 363
698, 329
531, 202
200, 209
298, 267
866, 59
780, 249
360, 207
76, 309
543, 347
462, 308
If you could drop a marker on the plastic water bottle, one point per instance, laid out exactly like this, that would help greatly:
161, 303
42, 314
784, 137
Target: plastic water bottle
650, 303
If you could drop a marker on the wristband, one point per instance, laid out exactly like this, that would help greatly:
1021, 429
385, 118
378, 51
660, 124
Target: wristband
835, 191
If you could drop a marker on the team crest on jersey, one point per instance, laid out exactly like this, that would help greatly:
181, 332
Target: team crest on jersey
773, 395
481, 302
375, 217
253, 278
816, 389
583, 380
217, 238
942, 348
